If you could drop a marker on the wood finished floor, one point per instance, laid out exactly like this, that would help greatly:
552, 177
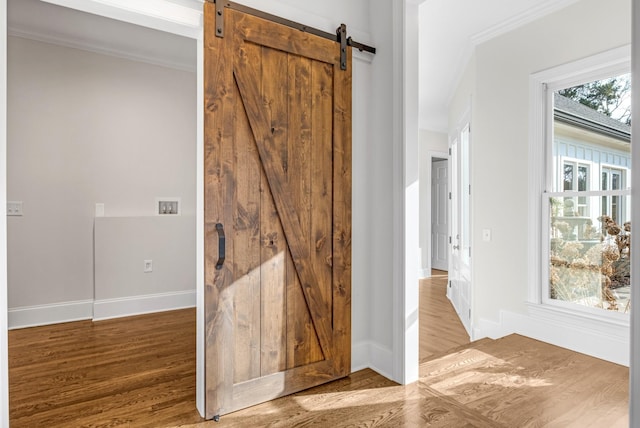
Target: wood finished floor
140, 372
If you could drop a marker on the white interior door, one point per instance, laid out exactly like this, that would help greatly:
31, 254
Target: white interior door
440, 215
459, 290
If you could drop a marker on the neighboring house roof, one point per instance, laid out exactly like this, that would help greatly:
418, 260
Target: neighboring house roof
573, 113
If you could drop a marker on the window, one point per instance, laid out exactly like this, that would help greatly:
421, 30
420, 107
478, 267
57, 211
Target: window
586, 243
575, 177
612, 179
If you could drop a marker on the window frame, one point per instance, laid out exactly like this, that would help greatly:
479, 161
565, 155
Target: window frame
624, 172
577, 163
541, 180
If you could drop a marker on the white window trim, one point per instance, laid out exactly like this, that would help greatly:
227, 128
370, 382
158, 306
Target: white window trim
593, 168
625, 177
612, 62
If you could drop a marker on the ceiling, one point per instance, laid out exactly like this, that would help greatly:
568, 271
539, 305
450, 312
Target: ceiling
46, 22
449, 31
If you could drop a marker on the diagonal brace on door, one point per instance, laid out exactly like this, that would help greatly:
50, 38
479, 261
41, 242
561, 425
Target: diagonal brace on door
298, 246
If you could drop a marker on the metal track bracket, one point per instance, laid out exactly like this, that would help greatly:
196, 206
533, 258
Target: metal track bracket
219, 18
342, 38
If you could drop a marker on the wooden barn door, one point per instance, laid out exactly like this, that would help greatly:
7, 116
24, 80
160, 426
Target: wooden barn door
278, 188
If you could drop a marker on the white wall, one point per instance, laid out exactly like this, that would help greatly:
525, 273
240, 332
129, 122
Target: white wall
4, 353
87, 128
431, 143
122, 244
497, 83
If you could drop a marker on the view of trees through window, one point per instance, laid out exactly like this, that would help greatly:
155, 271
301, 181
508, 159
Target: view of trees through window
611, 96
589, 207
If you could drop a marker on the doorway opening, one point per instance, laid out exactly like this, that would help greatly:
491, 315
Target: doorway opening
116, 127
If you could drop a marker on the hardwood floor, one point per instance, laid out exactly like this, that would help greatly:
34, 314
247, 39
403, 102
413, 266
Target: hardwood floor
440, 327
137, 371
140, 372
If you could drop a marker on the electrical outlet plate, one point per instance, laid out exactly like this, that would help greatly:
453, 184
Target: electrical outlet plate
148, 266
168, 206
14, 208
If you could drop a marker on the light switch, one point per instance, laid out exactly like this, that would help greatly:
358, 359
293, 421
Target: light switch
486, 235
99, 210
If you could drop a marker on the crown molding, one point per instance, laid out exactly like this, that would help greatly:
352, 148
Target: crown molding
530, 15
96, 47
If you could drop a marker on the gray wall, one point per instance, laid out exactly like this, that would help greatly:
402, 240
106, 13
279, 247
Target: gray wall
86, 128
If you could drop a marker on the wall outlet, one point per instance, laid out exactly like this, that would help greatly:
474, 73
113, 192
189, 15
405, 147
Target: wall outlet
168, 206
148, 266
14, 208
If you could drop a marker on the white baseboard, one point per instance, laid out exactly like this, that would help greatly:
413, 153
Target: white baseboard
425, 273
366, 354
138, 305
32, 316
610, 342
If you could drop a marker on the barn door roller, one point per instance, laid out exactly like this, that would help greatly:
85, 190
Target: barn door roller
340, 36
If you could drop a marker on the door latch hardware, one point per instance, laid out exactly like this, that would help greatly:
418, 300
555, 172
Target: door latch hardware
221, 246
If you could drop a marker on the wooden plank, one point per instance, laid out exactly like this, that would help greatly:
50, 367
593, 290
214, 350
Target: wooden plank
342, 215
321, 221
274, 246
280, 37
247, 257
245, 74
302, 345
218, 198
280, 384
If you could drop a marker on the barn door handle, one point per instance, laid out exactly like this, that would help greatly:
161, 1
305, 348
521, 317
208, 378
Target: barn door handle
221, 245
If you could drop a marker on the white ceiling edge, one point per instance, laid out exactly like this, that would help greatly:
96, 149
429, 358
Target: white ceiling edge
86, 45
163, 15
530, 15
546, 8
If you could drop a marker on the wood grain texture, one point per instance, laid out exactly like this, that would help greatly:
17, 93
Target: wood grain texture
275, 253
247, 251
342, 214
245, 77
440, 327
219, 195
303, 346
140, 372
135, 371
281, 303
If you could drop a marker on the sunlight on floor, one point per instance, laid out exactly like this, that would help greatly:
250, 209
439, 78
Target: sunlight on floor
490, 372
345, 399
